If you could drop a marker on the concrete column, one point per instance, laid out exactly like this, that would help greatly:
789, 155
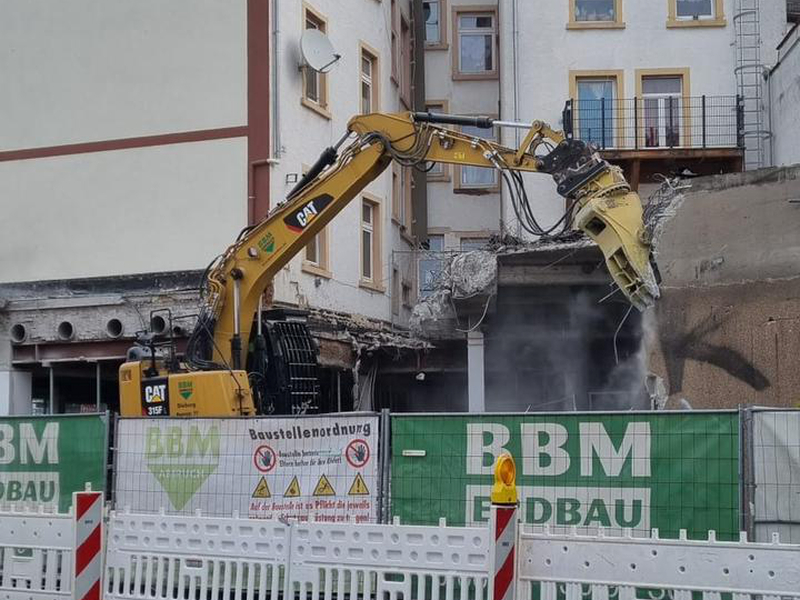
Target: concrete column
475, 368
15, 392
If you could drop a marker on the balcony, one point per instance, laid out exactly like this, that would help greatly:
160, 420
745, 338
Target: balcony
666, 134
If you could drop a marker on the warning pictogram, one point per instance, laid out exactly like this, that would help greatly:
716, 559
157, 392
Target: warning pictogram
262, 489
293, 491
264, 459
359, 488
324, 487
357, 453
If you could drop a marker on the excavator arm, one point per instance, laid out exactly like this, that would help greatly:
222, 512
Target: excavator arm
599, 200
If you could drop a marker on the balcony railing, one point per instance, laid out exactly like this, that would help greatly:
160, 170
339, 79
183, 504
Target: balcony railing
652, 123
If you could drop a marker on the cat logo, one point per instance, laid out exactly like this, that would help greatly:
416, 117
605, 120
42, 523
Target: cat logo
299, 219
155, 397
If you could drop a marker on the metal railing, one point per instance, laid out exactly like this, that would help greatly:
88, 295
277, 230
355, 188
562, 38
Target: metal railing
653, 123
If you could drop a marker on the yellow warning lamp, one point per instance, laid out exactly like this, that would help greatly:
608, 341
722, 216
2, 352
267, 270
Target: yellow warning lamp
504, 490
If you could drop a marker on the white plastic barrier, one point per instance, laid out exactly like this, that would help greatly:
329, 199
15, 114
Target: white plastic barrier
35, 549
40, 552
391, 562
161, 557
619, 565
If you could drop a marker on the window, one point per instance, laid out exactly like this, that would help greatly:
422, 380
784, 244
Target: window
395, 39
315, 84
369, 77
594, 14
315, 259
595, 10
662, 107
696, 13
431, 265
401, 196
477, 177
595, 109
434, 12
404, 69
694, 9
405, 193
370, 244
475, 45
438, 171
395, 291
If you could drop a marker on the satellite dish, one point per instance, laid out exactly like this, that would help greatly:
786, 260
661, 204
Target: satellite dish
317, 50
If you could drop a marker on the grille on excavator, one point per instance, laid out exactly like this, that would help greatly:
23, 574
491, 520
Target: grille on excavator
293, 385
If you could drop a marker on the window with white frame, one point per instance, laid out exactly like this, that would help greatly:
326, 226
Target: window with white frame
478, 177
694, 9
662, 101
595, 10
317, 251
432, 11
476, 43
370, 242
314, 82
369, 88
596, 109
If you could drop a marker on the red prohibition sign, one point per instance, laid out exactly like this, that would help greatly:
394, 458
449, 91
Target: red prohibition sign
357, 453
264, 459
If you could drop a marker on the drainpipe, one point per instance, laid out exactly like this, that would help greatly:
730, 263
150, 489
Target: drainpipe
419, 194
276, 129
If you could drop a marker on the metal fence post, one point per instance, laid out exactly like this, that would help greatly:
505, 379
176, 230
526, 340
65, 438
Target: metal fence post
704, 120
603, 121
670, 136
747, 472
385, 466
635, 123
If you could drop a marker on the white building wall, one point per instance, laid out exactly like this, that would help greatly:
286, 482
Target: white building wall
784, 103
452, 214
538, 51
304, 134
162, 208
93, 71
88, 70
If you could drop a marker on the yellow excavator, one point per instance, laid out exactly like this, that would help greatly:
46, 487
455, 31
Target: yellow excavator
225, 368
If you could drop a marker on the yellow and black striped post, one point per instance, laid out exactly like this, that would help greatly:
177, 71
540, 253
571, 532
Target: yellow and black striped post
504, 528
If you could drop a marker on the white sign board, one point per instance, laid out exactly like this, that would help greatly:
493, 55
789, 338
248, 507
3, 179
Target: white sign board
305, 468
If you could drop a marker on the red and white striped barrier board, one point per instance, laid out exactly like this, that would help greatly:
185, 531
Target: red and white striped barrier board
88, 510
504, 519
